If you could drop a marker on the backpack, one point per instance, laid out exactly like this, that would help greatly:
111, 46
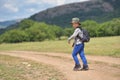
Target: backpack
86, 35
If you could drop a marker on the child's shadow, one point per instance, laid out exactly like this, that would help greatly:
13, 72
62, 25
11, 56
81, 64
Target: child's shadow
88, 70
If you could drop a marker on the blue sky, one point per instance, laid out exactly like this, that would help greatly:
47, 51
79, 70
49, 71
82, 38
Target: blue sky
17, 9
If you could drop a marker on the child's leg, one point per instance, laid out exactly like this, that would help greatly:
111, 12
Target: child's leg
82, 55
74, 54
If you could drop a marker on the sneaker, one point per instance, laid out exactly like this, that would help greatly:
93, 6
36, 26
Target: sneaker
85, 67
77, 67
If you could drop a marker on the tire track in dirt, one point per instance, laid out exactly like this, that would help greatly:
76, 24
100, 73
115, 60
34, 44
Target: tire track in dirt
63, 62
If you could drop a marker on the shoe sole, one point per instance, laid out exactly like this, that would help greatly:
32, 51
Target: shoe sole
77, 69
85, 69
80, 69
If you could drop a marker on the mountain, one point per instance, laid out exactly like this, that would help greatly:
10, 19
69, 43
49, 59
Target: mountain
5, 24
98, 10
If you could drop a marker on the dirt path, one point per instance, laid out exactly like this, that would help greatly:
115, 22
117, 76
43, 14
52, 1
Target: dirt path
101, 68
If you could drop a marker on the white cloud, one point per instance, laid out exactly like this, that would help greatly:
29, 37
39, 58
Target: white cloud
31, 1
11, 7
32, 10
1, 20
60, 2
72, 1
83, 0
53, 2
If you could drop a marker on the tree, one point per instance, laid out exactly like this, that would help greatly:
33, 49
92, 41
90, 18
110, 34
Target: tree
58, 31
14, 36
91, 26
68, 31
26, 23
36, 34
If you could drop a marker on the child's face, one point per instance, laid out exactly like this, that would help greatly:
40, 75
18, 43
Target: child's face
75, 25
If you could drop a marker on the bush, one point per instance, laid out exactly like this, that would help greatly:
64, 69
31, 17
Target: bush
29, 30
68, 31
14, 36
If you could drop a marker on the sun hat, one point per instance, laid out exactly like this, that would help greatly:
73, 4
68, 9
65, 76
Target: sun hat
75, 20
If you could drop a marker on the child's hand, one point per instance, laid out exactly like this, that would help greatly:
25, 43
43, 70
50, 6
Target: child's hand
73, 45
68, 41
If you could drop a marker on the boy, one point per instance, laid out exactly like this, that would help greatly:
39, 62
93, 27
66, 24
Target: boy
78, 46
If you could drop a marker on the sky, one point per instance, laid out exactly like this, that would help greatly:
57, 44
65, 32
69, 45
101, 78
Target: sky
18, 9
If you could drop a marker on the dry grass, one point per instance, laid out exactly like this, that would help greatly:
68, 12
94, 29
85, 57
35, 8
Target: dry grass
12, 68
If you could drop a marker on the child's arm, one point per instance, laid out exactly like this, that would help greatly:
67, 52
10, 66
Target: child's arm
74, 35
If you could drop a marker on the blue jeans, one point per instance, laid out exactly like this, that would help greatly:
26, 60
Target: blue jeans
79, 49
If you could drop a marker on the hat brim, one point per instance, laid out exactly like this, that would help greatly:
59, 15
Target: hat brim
75, 22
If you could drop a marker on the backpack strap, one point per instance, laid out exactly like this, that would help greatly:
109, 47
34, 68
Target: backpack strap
80, 28
78, 34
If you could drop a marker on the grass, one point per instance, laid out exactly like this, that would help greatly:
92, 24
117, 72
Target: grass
12, 68
107, 46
